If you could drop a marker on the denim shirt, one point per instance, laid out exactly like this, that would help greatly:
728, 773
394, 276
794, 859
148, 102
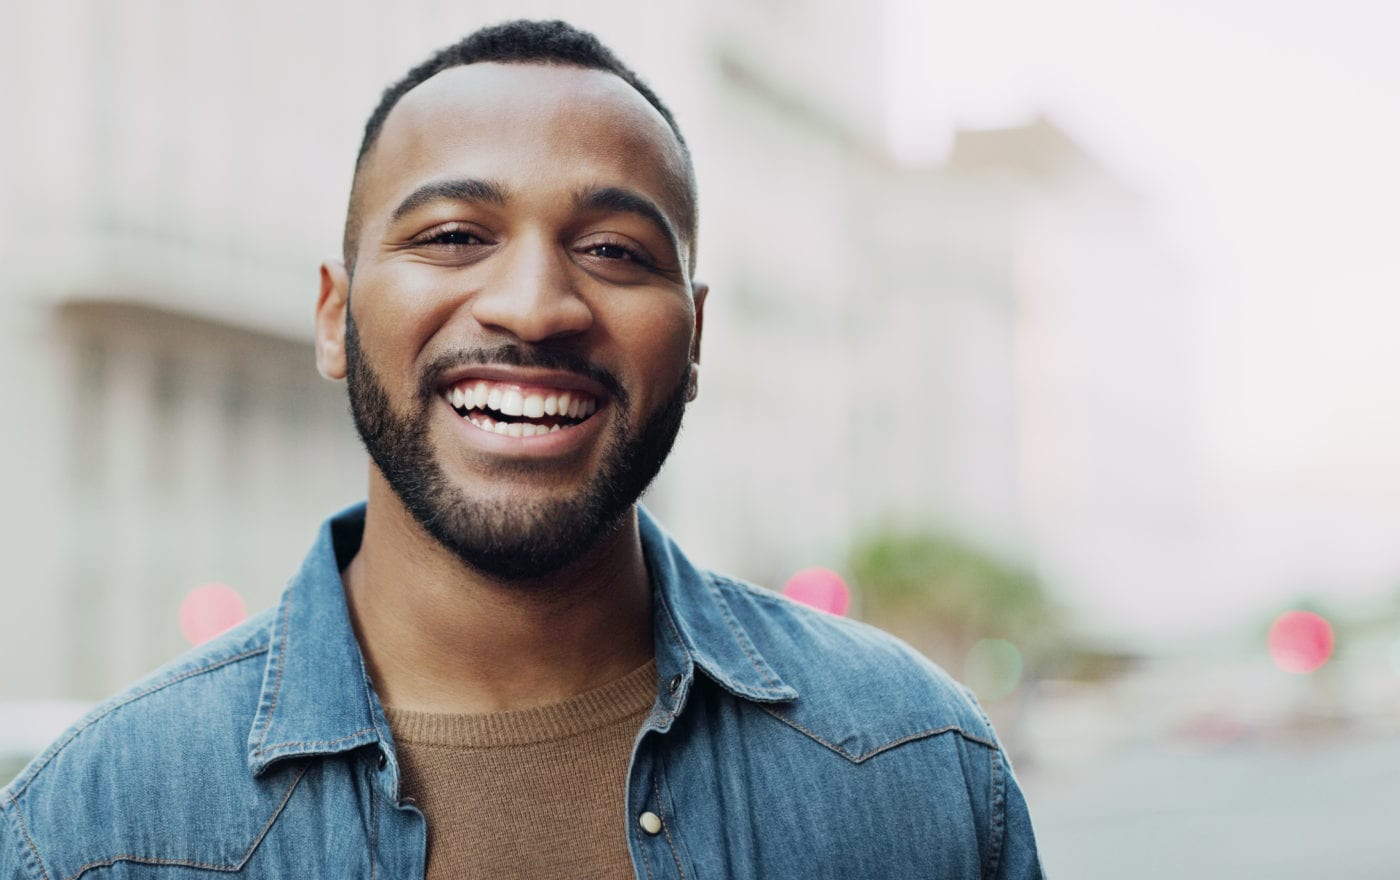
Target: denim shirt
783, 742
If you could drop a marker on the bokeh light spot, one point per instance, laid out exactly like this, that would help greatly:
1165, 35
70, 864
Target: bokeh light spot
820, 588
1300, 641
209, 610
993, 668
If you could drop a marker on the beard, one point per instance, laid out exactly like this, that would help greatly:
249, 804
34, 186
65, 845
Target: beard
510, 539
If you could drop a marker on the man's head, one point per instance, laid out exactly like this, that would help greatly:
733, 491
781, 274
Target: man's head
519, 329
522, 42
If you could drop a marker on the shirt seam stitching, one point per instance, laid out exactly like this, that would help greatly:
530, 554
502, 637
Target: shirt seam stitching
260, 751
128, 700
744, 646
862, 758
24, 829
190, 863
666, 827
277, 682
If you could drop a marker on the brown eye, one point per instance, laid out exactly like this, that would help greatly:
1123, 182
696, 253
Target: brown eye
454, 237
613, 252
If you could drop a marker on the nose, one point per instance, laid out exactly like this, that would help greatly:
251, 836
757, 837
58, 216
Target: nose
531, 294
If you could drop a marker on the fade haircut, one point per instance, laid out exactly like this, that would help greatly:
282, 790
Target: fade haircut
520, 42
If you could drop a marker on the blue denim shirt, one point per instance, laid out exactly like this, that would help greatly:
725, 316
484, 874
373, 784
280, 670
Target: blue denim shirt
783, 742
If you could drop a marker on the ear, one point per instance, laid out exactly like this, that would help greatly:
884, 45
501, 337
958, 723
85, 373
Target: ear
331, 312
701, 290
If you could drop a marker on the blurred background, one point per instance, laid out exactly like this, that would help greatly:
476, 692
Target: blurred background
1060, 333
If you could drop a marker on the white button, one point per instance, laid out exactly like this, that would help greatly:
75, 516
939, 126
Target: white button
650, 822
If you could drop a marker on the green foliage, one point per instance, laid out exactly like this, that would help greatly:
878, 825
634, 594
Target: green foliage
956, 587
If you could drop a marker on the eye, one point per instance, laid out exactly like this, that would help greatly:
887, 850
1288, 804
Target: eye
451, 235
613, 251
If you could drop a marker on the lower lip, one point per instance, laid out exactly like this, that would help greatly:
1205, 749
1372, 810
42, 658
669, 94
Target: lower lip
552, 444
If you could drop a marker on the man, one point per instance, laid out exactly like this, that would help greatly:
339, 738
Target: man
498, 665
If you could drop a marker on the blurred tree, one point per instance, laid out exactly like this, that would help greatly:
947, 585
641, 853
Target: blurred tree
942, 594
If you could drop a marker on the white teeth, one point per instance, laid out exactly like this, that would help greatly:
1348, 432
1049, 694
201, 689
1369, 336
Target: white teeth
553, 428
515, 429
512, 403
502, 427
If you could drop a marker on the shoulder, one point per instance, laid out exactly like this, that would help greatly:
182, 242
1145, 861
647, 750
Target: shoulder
180, 731
861, 690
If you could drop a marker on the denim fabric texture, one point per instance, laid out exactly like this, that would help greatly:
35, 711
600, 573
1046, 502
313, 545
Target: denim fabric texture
783, 743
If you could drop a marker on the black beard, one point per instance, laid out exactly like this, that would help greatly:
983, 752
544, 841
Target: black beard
512, 541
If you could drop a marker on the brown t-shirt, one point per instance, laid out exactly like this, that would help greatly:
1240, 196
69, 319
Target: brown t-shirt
536, 793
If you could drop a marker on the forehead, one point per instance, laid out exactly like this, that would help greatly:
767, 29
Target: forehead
529, 126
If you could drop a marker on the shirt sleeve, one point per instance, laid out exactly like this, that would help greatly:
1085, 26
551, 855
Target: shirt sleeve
1020, 859
16, 860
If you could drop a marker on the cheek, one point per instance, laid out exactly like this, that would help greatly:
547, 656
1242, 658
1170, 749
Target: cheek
398, 310
659, 341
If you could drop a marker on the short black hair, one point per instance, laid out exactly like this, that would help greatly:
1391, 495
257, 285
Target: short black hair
519, 42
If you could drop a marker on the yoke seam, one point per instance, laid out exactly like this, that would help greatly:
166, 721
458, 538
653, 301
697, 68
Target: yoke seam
190, 863
73, 734
862, 758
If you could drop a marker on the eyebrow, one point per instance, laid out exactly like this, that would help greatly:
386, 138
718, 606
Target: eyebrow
461, 190
618, 200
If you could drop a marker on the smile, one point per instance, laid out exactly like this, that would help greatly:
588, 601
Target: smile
519, 410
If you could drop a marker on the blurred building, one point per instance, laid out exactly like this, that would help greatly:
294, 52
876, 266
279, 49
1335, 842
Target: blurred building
178, 169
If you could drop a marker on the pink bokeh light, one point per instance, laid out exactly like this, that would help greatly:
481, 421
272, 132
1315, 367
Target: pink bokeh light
1300, 641
209, 610
820, 588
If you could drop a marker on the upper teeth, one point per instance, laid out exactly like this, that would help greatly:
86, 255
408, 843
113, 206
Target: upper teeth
513, 400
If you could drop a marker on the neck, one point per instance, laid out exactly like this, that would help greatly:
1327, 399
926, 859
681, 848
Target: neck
441, 636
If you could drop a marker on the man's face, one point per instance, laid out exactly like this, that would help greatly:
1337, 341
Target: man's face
520, 325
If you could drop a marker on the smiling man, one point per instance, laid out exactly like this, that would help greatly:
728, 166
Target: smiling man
499, 665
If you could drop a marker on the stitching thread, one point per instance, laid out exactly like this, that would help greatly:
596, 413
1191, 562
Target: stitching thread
19, 817
998, 810
72, 734
281, 663
262, 750
860, 759
666, 827
742, 640
373, 827
187, 863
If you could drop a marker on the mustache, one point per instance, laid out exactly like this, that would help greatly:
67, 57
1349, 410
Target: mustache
513, 355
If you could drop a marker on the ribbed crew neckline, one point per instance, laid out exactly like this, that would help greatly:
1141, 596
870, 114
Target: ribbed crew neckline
631, 695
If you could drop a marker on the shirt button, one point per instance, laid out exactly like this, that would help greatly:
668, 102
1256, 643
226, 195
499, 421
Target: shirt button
383, 759
650, 822
675, 684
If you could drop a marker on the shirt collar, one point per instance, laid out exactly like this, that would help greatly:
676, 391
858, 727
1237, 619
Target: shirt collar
693, 625
317, 698
316, 695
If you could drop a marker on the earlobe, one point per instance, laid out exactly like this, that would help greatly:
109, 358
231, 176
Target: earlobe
331, 312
